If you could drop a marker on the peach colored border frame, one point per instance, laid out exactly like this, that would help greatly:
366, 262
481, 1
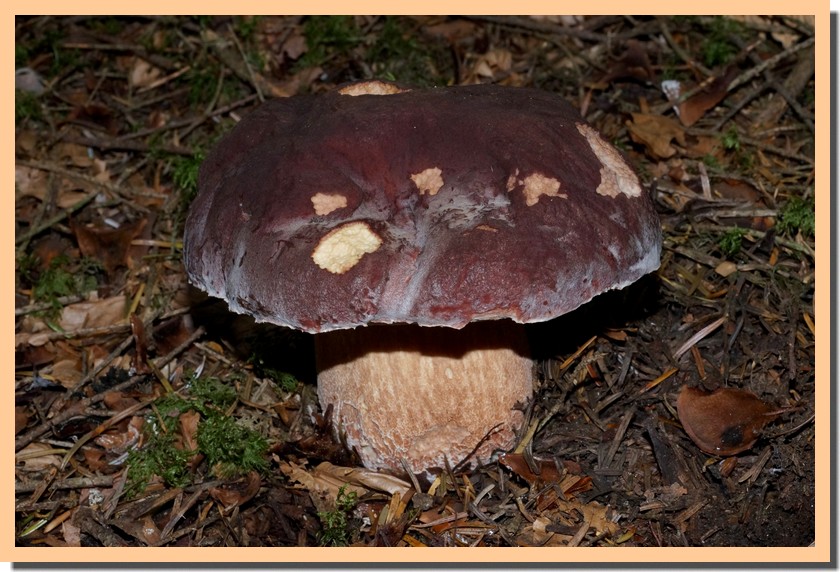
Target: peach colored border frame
563, 556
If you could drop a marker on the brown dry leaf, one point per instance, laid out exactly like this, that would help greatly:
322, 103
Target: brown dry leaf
725, 421
453, 31
30, 182
188, 426
495, 62
596, 514
118, 401
656, 132
516, 463
67, 372
94, 459
71, 533
35, 457
294, 46
94, 314
363, 478
142, 73
21, 418
323, 488
633, 64
145, 530
692, 109
119, 440
95, 116
74, 153
108, 245
702, 146
237, 493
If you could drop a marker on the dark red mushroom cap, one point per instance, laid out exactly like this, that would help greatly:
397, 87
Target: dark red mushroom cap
429, 206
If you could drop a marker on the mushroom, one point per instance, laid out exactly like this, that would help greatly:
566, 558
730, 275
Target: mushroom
414, 232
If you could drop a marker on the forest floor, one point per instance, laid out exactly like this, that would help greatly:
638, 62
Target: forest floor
148, 415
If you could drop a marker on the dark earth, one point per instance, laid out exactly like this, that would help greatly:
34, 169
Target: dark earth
148, 415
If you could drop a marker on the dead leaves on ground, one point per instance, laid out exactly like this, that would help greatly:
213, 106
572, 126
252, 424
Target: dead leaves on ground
724, 422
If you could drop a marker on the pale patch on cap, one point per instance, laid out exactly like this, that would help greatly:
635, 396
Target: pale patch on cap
374, 87
342, 248
537, 185
616, 175
325, 203
428, 181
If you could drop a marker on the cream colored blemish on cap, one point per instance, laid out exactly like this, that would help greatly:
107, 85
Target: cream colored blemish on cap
536, 185
616, 175
486, 227
374, 87
428, 181
325, 203
342, 248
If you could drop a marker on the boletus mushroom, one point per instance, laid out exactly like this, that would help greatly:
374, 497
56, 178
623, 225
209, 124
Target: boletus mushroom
414, 232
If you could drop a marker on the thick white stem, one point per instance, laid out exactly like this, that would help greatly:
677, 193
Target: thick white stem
425, 395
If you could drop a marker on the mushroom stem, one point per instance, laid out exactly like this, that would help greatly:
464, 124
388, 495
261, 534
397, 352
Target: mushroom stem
425, 395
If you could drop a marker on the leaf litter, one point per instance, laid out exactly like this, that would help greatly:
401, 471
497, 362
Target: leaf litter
118, 360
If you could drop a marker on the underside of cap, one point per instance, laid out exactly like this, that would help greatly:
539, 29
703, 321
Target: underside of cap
437, 207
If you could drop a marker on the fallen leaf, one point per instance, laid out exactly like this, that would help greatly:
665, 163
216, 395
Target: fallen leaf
516, 463
294, 46
143, 73
692, 109
633, 64
363, 478
656, 132
188, 425
726, 268
725, 421
94, 314
21, 418
119, 440
67, 372
239, 492
36, 457
108, 245
30, 182
71, 533
452, 31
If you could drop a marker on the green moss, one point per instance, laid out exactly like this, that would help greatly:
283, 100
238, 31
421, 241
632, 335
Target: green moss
285, 381
230, 448
65, 278
334, 523
213, 391
730, 139
327, 37
730, 243
27, 107
397, 55
159, 457
718, 47
797, 216
185, 174
246, 27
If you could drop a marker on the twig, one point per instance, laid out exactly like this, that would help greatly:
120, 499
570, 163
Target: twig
41, 306
78, 408
33, 232
123, 145
248, 67
73, 483
619, 437
699, 336
768, 63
